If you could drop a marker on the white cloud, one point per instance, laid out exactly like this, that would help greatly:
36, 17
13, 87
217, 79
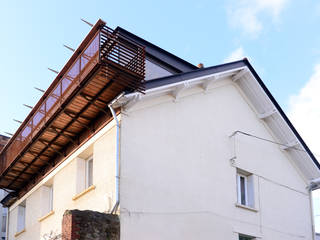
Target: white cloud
237, 54
246, 14
304, 111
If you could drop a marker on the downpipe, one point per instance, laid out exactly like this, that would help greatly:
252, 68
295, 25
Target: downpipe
114, 115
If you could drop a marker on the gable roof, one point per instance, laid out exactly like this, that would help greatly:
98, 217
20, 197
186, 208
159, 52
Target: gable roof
165, 58
265, 105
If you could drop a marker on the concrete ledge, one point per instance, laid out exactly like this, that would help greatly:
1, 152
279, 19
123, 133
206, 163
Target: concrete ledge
45, 216
92, 187
19, 233
246, 207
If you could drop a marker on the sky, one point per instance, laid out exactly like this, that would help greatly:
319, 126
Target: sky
281, 38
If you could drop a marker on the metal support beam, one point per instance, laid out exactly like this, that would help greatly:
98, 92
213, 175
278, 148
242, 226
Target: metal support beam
62, 134
77, 120
93, 103
49, 146
72, 113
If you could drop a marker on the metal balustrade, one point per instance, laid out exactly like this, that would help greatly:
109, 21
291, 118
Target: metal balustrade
113, 55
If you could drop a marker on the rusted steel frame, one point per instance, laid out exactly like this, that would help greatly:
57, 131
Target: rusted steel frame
123, 69
89, 104
67, 131
72, 120
62, 134
124, 51
17, 171
49, 146
121, 50
83, 45
93, 103
119, 59
102, 120
106, 48
123, 82
54, 143
132, 82
99, 100
70, 98
27, 164
77, 120
67, 111
107, 30
106, 36
46, 98
35, 154
41, 131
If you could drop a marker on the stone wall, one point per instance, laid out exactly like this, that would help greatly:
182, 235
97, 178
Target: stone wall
90, 225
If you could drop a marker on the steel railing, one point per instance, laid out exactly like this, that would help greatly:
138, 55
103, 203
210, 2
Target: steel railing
107, 48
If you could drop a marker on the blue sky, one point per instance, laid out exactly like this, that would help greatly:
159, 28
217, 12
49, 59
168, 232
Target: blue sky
280, 37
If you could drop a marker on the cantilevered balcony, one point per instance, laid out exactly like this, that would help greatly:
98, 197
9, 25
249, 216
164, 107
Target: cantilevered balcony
74, 107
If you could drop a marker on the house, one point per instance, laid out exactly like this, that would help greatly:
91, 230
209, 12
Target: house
177, 151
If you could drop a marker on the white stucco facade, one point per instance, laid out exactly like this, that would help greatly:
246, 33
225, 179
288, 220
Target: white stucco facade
179, 159
64, 181
179, 167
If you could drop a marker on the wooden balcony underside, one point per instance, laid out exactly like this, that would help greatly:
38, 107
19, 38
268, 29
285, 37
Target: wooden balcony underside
78, 107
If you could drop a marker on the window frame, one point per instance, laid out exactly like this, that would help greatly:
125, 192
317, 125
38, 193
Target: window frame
88, 175
50, 198
239, 189
21, 217
245, 237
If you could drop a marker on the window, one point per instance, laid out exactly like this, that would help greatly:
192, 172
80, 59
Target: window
84, 175
243, 237
4, 225
242, 189
21, 217
89, 172
245, 188
46, 199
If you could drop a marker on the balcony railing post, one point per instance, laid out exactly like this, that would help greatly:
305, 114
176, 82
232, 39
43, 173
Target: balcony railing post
99, 42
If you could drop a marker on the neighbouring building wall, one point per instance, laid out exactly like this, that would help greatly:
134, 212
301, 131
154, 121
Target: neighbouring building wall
3, 217
178, 180
65, 180
3, 211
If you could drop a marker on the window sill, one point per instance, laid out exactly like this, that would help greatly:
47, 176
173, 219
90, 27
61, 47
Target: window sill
246, 207
19, 233
92, 187
45, 216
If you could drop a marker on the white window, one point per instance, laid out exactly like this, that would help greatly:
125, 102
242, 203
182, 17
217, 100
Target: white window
46, 199
84, 178
21, 217
89, 172
4, 223
245, 188
50, 202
